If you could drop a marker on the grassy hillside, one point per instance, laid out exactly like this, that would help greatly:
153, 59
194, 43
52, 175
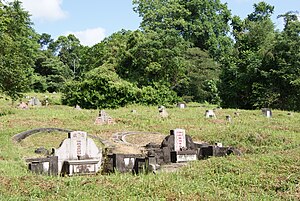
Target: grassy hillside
269, 168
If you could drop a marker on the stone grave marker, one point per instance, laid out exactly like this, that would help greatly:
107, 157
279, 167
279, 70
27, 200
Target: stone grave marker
78, 154
163, 112
181, 153
77, 107
23, 106
267, 112
228, 118
181, 105
34, 102
104, 118
210, 114
179, 139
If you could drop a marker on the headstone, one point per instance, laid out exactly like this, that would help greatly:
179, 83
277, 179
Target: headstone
34, 102
163, 112
210, 114
179, 139
23, 106
77, 107
104, 118
181, 105
181, 153
78, 155
228, 118
267, 112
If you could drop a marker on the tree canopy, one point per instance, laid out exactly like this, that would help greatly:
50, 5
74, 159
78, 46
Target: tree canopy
184, 51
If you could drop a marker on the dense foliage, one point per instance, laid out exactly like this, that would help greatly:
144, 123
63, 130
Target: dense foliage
189, 50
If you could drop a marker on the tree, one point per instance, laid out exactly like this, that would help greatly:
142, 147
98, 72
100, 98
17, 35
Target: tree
18, 48
69, 50
246, 75
204, 23
157, 56
286, 65
203, 75
101, 88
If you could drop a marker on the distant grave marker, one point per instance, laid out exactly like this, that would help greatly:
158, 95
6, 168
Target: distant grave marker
163, 112
181, 105
23, 106
34, 102
228, 118
77, 107
104, 118
210, 114
267, 112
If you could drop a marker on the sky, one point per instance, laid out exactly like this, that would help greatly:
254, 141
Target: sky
93, 20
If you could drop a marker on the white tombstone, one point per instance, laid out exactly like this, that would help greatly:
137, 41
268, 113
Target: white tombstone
163, 112
78, 154
228, 118
77, 107
179, 139
267, 112
210, 114
181, 105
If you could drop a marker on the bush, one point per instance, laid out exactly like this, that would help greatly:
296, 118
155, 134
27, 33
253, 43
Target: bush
103, 88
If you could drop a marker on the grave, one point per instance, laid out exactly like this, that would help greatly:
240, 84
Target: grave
123, 163
210, 114
183, 150
228, 118
104, 118
179, 148
163, 112
267, 112
23, 106
78, 155
181, 105
77, 107
47, 166
34, 102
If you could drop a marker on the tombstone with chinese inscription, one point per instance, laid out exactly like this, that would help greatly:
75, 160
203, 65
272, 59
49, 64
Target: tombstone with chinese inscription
78, 154
178, 147
104, 118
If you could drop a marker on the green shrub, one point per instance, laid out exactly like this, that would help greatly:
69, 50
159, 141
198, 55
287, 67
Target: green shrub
103, 88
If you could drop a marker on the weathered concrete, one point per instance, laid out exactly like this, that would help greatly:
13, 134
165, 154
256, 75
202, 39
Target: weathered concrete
77, 154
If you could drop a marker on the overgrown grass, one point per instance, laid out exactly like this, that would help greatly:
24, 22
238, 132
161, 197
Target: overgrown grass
269, 168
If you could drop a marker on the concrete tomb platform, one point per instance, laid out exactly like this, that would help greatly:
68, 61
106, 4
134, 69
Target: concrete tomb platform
77, 154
